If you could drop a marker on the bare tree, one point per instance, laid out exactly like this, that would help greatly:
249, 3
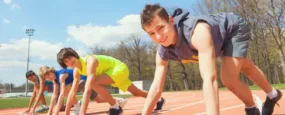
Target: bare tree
266, 20
135, 49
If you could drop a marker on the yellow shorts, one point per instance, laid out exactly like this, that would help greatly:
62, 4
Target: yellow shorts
120, 75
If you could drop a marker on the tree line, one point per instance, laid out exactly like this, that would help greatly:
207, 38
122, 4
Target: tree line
266, 19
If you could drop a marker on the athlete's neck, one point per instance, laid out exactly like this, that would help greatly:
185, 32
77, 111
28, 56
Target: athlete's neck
80, 65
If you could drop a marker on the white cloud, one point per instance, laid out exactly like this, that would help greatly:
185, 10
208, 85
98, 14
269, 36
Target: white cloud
91, 34
6, 21
17, 64
17, 49
7, 1
13, 71
81, 51
68, 39
15, 6
13, 57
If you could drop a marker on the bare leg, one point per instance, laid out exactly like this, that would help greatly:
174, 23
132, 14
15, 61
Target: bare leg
256, 75
136, 91
99, 86
230, 70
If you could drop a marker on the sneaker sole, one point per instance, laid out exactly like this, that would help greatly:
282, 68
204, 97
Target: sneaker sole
45, 111
75, 113
257, 102
281, 95
156, 111
162, 104
122, 104
119, 114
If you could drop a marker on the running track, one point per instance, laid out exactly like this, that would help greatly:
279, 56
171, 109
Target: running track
177, 103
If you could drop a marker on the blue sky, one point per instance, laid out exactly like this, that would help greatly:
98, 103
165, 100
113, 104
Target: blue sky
79, 24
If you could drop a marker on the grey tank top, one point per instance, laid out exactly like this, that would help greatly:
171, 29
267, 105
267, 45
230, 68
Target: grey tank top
222, 24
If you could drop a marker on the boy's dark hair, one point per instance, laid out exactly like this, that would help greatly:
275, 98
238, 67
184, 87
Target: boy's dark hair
150, 11
30, 73
65, 53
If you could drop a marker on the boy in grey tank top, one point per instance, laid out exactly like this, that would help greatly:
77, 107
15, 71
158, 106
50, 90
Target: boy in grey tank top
202, 39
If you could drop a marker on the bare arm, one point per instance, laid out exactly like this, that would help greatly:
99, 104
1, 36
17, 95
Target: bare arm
40, 93
53, 98
62, 90
73, 91
202, 41
32, 99
156, 88
92, 64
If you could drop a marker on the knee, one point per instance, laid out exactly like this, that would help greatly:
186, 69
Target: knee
96, 85
247, 67
230, 84
246, 70
229, 81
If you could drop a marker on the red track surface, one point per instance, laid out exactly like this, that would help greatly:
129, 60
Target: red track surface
177, 103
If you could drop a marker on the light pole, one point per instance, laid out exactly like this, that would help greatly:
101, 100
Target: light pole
10, 84
29, 32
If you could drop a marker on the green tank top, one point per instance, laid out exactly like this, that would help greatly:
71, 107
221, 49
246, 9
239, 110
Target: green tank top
46, 82
105, 63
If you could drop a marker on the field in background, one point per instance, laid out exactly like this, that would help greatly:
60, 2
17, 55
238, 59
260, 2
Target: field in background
255, 87
8, 103
23, 102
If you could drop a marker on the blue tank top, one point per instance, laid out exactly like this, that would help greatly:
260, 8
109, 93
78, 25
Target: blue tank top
222, 24
69, 78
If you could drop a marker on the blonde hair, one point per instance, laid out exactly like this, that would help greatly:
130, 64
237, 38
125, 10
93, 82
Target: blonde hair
45, 70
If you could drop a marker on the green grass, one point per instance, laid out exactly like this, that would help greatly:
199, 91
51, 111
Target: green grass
24, 102
14, 103
255, 87
122, 95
